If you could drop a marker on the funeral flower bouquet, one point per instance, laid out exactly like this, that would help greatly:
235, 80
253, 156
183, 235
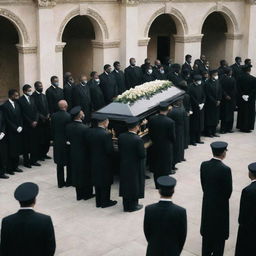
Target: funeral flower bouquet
146, 90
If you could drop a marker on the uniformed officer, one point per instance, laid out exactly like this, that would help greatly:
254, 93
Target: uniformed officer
216, 181
165, 223
245, 244
27, 233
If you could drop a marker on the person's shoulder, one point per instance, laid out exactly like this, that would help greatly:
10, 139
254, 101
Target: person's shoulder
10, 218
179, 208
151, 207
42, 216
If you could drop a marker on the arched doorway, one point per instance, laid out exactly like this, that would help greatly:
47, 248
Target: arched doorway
9, 60
214, 40
78, 52
161, 34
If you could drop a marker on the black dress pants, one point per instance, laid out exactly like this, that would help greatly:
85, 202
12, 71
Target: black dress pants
130, 204
13, 162
61, 176
226, 126
195, 136
213, 247
102, 196
211, 130
85, 192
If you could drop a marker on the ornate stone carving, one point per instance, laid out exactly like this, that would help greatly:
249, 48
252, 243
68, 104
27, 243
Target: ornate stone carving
130, 2
45, 3
26, 49
106, 44
234, 36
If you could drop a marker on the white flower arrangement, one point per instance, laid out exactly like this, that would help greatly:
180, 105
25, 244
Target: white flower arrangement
145, 90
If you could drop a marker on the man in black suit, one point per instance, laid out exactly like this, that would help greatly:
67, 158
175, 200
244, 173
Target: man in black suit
43, 126
165, 223
175, 76
77, 135
97, 97
148, 76
14, 127
236, 67
145, 65
67, 90
187, 64
27, 233
108, 84
30, 131
3, 147
81, 97
222, 67
132, 166
60, 149
201, 64
245, 244
162, 134
54, 94
160, 74
119, 76
216, 181
101, 154
133, 75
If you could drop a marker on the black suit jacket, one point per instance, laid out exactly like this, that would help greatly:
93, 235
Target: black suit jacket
97, 98
216, 181
54, 95
41, 105
133, 76
165, 228
236, 70
120, 81
187, 66
27, 233
67, 90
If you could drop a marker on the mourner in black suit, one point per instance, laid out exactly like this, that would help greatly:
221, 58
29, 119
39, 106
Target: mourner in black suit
216, 181
187, 64
197, 100
3, 147
43, 126
212, 104
101, 156
148, 76
78, 136
236, 68
54, 94
228, 102
133, 75
145, 65
59, 121
14, 127
162, 134
119, 76
81, 97
165, 223
27, 233
108, 84
222, 68
175, 76
246, 87
132, 166
68, 90
245, 244
30, 131
201, 65
160, 74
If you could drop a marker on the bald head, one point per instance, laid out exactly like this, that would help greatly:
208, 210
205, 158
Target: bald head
63, 105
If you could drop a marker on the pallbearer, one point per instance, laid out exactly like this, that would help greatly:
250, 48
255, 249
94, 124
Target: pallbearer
132, 166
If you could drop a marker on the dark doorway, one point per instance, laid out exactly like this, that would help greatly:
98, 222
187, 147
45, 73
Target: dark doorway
163, 47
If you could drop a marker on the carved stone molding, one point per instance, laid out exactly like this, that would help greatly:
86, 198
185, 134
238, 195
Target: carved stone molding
131, 2
251, 2
26, 49
188, 39
24, 38
143, 42
60, 46
106, 44
45, 3
234, 36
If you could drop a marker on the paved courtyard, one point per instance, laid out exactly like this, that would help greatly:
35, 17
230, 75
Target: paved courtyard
82, 229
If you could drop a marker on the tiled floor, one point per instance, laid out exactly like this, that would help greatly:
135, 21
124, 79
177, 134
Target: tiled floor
83, 230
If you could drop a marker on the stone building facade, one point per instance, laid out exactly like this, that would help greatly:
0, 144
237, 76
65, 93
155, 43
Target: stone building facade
41, 38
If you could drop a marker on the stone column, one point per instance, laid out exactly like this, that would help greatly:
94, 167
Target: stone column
142, 50
188, 44
59, 60
28, 71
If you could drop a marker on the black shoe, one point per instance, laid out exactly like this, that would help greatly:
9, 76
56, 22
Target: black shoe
47, 157
200, 142
41, 159
10, 172
173, 171
18, 170
222, 132
27, 165
68, 185
230, 131
193, 144
216, 135
36, 164
184, 160
61, 186
137, 208
174, 168
3, 176
98, 205
109, 204
89, 197
147, 177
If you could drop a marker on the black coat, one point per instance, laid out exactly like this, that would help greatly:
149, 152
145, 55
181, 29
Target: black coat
216, 181
68, 91
81, 97
77, 135
187, 108
162, 134
54, 95
197, 96
187, 66
148, 78
108, 86
245, 244
13, 118
132, 165
97, 97
60, 149
3, 144
227, 108
201, 66
27, 233
236, 70
159, 76
246, 85
133, 76
101, 153
120, 81
165, 228
213, 94
175, 78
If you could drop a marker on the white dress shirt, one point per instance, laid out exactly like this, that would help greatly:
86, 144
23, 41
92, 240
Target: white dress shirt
12, 102
166, 199
27, 98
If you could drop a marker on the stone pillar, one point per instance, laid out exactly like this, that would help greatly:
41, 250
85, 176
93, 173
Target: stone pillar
129, 26
233, 42
142, 50
28, 71
59, 60
188, 44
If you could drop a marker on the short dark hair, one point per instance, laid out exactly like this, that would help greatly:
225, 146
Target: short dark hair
28, 203
238, 58
36, 84
26, 87
52, 78
188, 56
106, 66
222, 62
11, 92
93, 74
116, 63
166, 192
218, 154
247, 61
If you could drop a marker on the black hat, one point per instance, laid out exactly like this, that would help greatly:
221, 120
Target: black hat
166, 182
99, 117
163, 106
197, 77
26, 192
213, 71
132, 122
219, 147
75, 111
252, 167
